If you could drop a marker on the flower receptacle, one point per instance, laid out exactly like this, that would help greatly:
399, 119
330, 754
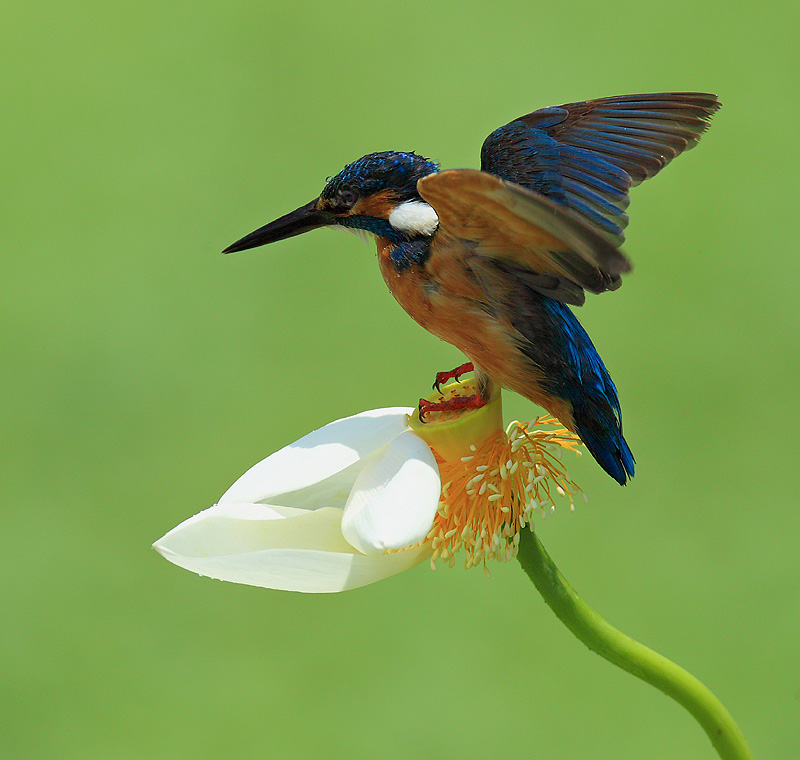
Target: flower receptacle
451, 433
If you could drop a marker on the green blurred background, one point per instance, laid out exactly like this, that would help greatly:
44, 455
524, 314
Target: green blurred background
144, 371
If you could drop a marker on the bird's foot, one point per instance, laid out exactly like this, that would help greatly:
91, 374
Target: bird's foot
453, 374
452, 404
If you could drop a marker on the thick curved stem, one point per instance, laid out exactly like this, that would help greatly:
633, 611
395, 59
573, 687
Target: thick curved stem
628, 654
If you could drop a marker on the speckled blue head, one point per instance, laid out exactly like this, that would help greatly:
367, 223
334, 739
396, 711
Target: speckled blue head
388, 170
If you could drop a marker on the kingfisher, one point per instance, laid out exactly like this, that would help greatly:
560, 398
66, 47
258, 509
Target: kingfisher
492, 260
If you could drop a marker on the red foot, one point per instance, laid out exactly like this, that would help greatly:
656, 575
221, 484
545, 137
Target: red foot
453, 374
450, 405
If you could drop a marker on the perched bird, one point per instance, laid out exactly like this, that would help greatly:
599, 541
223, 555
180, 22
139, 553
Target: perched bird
490, 260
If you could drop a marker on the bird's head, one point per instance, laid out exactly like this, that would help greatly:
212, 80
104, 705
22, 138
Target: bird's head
378, 193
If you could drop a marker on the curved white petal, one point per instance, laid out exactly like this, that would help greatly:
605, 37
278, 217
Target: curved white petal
394, 498
318, 455
279, 548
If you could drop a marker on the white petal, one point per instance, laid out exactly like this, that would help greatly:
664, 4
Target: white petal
279, 548
394, 498
331, 492
318, 455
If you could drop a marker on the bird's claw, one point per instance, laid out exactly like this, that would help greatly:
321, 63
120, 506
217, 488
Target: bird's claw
453, 374
424, 408
452, 404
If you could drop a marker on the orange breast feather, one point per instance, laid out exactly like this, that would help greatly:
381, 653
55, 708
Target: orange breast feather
447, 301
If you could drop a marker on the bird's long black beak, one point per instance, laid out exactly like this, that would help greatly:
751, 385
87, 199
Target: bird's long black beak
303, 219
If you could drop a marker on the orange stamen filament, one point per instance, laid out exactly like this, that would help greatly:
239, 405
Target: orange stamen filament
492, 493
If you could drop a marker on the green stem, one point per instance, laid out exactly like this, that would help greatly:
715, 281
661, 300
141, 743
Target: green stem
628, 654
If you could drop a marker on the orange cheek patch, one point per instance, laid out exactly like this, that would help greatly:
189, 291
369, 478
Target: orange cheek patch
379, 205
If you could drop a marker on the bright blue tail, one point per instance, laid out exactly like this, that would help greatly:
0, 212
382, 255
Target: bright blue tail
583, 380
598, 425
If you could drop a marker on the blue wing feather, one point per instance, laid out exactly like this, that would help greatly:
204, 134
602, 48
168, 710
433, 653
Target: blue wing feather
528, 157
587, 155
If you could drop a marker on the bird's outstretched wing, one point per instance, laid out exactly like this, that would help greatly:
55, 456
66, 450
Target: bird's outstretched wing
587, 155
511, 228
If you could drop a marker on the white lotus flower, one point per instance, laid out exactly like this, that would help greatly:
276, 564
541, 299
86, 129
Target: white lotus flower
337, 509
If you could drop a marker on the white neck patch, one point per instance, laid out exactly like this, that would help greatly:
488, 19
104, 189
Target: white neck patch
414, 218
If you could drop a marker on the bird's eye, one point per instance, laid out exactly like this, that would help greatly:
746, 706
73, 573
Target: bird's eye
346, 197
